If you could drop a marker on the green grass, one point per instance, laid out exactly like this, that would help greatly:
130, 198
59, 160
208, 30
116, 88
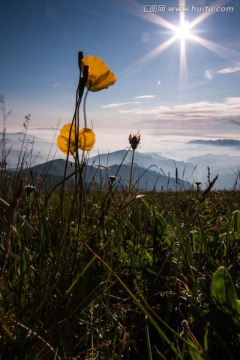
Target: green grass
108, 274
114, 274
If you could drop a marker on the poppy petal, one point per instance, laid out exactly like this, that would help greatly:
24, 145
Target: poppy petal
86, 139
99, 74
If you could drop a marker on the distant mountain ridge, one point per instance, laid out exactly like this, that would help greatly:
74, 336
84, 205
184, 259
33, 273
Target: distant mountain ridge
153, 161
218, 142
155, 173
222, 156
20, 145
95, 176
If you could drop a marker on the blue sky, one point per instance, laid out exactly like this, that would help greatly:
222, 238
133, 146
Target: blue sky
162, 96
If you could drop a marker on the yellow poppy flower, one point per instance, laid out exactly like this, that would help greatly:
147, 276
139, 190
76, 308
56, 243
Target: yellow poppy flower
86, 139
71, 138
99, 75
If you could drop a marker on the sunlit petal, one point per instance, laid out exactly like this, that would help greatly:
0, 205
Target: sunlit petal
65, 146
99, 75
86, 139
67, 140
68, 130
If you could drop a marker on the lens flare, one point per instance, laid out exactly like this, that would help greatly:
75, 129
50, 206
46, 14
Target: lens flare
183, 32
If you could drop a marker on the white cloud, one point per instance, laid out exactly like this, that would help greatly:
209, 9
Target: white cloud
229, 70
232, 101
145, 111
204, 118
126, 103
208, 75
145, 97
115, 105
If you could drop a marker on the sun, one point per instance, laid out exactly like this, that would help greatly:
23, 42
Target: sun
183, 31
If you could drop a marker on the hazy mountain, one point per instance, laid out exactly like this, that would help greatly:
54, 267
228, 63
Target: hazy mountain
142, 179
195, 168
151, 161
53, 168
31, 150
125, 157
221, 156
216, 161
228, 181
219, 142
149, 178
225, 166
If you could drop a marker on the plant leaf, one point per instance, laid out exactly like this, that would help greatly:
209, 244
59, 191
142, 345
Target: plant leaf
223, 290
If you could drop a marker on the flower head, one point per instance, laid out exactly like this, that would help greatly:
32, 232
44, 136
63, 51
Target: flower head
134, 140
86, 139
99, 75
71, 139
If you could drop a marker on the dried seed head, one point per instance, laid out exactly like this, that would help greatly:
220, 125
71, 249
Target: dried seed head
112, 179
29, 189
134, 140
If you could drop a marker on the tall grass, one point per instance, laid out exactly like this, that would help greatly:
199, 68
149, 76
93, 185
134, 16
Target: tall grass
103, 273
118, 279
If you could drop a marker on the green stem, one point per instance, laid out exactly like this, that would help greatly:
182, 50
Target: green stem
84, 108
131, 170
75, 121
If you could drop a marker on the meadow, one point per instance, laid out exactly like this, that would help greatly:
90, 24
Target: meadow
108, 274
113, 273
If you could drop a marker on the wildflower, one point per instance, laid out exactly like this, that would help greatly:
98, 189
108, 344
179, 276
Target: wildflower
134, 140
29, 189
99, 75
111, 178
198, 183
70, 139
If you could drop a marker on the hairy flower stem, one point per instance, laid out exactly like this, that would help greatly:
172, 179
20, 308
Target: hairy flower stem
84, 108
75, 121
79, 94
131, 170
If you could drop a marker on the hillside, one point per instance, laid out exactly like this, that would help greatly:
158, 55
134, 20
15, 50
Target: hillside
221, 156
95, 176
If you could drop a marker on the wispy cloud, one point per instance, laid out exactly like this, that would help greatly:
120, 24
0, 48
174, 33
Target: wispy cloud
145, 97
229, 70
56, 85
203, 109
126, 103
146, 111
116, 105
232, 101
208, 75
204, 117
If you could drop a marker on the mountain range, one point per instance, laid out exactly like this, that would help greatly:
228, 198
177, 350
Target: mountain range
218, 142
148, 171
213, 157
194, 169
99, 175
